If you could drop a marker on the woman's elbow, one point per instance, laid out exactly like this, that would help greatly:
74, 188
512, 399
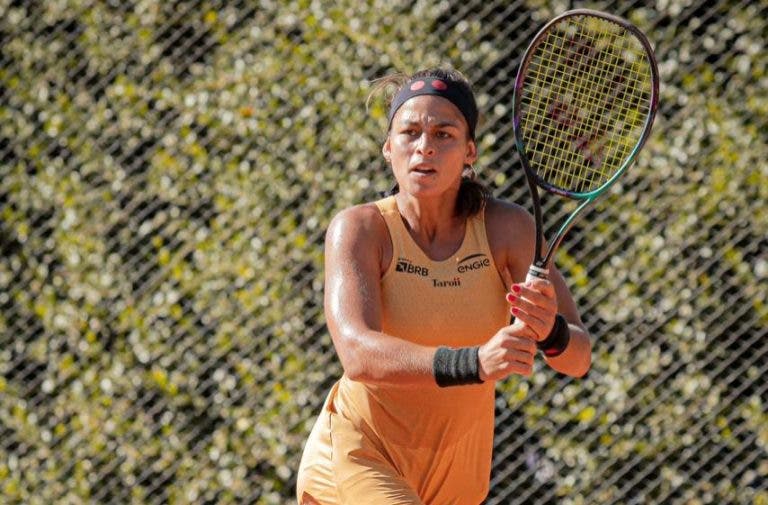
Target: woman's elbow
354, 371
583, 368
585, 363
351, 354
578, 360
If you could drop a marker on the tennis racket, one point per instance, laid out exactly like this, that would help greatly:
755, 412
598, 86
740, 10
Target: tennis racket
585, 97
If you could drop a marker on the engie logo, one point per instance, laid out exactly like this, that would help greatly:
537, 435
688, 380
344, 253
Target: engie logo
474, 262
405, 265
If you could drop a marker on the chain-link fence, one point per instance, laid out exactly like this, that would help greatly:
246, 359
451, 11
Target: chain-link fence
168, 170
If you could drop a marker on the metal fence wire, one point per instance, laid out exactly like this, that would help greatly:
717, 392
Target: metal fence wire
168, 172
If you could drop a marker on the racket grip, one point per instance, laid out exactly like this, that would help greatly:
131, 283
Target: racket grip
535, 272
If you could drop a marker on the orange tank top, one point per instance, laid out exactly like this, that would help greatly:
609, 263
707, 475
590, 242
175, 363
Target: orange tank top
439, 439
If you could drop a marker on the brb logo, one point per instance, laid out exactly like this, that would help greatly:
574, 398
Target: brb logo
405, 265
473, 262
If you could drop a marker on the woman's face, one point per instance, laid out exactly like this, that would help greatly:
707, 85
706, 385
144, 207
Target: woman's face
428, 146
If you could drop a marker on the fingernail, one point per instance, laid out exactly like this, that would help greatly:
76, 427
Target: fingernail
516, 288
515, 310
511, 298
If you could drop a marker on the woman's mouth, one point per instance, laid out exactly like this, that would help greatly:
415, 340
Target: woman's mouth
424, 170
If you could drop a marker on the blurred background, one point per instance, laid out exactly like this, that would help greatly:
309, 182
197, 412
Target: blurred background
168, 170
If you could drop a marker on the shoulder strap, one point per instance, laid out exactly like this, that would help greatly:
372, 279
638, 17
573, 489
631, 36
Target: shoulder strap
388, 208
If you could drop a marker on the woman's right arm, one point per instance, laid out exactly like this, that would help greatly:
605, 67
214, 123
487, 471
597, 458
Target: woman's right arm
354, 249
355, 246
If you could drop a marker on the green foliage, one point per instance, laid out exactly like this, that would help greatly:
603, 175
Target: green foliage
167, 173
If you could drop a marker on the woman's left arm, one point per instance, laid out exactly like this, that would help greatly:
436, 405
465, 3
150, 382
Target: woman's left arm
511, 231
537, 303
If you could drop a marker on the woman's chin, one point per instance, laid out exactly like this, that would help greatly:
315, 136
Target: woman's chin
425, 187
424, 190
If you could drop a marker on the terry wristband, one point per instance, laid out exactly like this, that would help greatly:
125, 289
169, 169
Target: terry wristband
557, 340
456, 367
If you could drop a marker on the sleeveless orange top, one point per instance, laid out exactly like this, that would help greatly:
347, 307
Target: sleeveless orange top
439, 440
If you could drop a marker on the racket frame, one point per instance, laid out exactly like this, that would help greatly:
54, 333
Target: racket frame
540, 266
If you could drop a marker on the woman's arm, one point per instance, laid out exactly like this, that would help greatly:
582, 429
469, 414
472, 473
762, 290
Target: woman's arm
537, 304
511, 232
354, 249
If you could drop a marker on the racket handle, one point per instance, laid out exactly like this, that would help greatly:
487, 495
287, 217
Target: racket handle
535, 272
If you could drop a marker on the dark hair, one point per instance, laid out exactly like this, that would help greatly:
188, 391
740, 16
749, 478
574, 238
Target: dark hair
472, 194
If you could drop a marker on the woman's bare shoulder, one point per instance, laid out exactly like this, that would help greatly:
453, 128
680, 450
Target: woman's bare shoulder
360, 227
358, 235
511, 237
502, 215
362, 218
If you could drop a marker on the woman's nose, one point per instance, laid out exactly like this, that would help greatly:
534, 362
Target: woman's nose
425, 146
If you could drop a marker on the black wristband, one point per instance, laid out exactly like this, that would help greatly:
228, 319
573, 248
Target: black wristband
557, 340
456, 367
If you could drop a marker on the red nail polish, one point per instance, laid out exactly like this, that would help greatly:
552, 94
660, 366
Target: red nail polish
511, 298
515, 288
515, 310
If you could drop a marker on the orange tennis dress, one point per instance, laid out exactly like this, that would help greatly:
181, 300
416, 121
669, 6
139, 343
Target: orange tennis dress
387, 445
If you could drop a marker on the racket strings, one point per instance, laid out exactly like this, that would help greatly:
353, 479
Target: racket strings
585, 99
580, 127
580, 95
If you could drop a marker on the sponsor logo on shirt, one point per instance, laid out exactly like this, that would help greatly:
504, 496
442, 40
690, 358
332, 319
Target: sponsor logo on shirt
473, 262
450, 283
404, 265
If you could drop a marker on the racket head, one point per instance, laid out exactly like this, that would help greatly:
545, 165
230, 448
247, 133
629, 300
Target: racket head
585, 97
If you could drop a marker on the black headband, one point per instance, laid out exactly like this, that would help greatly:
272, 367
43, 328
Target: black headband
451, 91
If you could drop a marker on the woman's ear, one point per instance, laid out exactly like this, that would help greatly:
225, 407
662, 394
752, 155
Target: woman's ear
386, 150
471, 156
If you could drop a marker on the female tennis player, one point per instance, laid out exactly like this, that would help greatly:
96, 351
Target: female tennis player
419, 289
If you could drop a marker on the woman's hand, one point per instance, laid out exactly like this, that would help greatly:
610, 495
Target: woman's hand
510, 350
535, 304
